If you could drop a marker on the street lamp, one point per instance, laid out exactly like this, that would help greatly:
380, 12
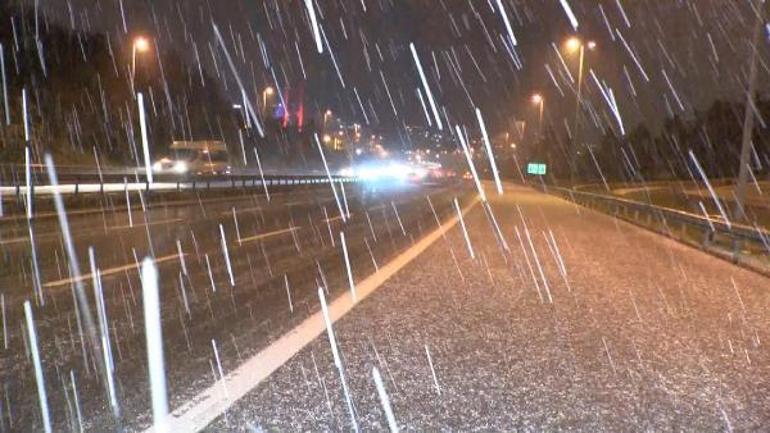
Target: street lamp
537, 99
140, 45
575, 44
327, 114
269, 91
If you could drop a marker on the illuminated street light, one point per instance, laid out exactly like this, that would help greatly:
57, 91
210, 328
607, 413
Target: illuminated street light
573, 44
140, 45
269, 91
537, 99
327, 114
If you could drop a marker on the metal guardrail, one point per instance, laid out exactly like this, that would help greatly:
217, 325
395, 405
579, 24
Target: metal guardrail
113, 181
742, 244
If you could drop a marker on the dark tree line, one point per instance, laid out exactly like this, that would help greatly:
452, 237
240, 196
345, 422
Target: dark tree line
80, 99
713, 135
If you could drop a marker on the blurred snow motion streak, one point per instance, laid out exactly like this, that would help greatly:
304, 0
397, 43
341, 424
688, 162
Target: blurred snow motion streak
384, 400
337, 360
427, 87
329, 177
351, 283
491, 155
465, 231
82, 308
507, 22
145, 144
247, 101
472, 167
713, 193
38, 367
570, 15
314, 22
154, 335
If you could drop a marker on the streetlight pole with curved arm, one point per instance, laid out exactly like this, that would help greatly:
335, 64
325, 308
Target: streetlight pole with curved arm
140, 45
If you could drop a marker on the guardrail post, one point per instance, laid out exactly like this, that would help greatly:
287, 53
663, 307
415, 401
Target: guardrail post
737, 244
708, 237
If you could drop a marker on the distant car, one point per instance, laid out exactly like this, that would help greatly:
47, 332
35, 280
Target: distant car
195, 157
467, 175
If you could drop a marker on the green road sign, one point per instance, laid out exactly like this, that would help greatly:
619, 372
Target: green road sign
536, 168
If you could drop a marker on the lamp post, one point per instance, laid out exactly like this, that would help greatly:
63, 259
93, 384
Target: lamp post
748, 119
140, 45
537, 99
327, 114
573, 45
269, 91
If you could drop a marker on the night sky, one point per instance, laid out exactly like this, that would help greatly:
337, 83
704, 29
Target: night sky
658, 58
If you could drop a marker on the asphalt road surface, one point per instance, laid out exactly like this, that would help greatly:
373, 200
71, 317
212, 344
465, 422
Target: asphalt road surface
279, 253
594, 325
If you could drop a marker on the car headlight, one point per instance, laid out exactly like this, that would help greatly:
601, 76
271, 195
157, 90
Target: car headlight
180, 167
158, 166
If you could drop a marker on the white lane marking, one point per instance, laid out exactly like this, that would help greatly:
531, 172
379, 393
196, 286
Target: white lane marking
268, 235
118, 269
124, 227
242, 210
107, 272
328, 220
153, 223
205, 407
14, 241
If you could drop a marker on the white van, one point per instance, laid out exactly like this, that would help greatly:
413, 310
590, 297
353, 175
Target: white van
201, 157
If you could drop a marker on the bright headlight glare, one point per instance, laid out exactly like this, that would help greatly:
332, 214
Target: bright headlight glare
180, 167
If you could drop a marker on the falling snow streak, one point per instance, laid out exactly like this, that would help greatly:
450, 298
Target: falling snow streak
490, 154
314, 24
154, 336
507, 22
82, 305
39, 379
337, 359
426, 87
145, 141
233, 69
570, 15
329, 177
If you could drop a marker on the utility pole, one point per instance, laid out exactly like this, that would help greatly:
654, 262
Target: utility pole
748, 119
